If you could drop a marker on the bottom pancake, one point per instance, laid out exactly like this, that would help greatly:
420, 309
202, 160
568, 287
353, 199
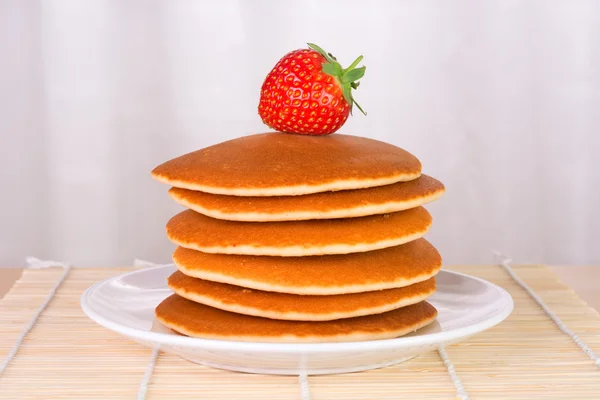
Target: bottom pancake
297, 307
197, 320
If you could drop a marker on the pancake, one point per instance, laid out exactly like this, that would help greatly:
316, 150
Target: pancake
297, 307
197, 320
319, 275
341, 204
297, 238
281, 164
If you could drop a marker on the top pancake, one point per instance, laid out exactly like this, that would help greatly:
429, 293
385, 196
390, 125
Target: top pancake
341, 204
281, 164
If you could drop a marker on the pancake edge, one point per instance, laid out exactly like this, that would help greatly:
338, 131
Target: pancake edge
310, 290
296, 190
298, 316
290, 338
361, 211
302, 251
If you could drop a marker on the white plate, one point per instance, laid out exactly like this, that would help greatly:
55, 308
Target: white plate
125, 304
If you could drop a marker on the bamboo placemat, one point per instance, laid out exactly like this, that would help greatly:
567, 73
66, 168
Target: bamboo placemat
67, 356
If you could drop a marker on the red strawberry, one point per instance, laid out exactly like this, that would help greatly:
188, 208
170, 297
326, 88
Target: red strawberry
309, 92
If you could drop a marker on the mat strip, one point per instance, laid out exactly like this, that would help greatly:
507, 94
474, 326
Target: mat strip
461, 393
304, 386
35, 263
505, 263
143, 390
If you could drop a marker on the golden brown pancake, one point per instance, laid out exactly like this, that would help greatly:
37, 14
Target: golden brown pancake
297, 307
197, 320
341, 204
280, 164
318, 275
297, 238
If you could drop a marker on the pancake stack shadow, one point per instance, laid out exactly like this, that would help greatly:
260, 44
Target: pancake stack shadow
290, 238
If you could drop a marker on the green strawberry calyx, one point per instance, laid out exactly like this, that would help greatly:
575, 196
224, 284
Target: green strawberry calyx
346, 77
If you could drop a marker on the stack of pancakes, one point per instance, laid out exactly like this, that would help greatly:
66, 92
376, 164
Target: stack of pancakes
300, 239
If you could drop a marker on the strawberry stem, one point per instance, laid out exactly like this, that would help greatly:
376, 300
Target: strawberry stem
354, 64
346, 78
360, 108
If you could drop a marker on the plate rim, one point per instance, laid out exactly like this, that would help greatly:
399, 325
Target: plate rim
158, 338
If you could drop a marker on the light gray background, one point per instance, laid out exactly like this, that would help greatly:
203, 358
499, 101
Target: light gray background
499, 99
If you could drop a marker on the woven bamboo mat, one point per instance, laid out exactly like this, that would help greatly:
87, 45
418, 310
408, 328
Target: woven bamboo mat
67, 356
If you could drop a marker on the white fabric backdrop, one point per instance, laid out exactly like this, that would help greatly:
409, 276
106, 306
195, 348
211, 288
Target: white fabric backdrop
499, 99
